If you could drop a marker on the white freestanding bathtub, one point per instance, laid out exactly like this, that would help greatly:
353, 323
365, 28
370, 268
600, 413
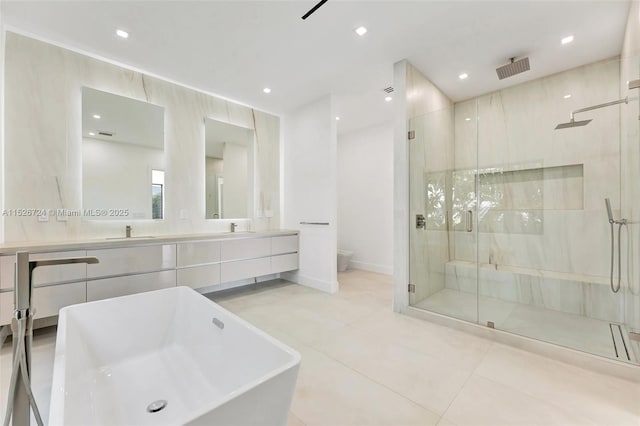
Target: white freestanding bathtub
174, 348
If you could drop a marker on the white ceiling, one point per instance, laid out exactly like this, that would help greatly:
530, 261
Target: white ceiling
235, 48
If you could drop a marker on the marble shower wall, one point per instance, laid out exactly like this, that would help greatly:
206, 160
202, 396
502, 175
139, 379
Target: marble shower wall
430, 115
43, 156
630, 167
542, 190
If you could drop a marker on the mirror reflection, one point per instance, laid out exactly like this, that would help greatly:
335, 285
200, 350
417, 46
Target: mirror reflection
228, 175
123, 158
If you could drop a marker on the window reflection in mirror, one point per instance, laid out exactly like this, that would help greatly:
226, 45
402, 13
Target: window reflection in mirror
228, 170
122, 156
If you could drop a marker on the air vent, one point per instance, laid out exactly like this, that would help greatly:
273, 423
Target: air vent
388, 89
105, 134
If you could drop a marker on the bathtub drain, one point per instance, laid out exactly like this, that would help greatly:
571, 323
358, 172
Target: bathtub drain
156, 406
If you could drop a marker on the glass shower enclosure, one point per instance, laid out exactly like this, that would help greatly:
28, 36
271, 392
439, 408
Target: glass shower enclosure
508, 222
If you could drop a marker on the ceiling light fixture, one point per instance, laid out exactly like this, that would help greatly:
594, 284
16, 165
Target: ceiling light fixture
467, 119
567, 96
361, 31
463, 76
91, 134
96, 116
122, 34
567, 39
337, 118
388, 99
266, 90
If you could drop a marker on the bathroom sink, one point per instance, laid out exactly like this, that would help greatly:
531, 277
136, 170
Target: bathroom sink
141, 237
167, 357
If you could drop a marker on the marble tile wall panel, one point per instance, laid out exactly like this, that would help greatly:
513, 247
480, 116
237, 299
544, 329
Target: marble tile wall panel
43, 162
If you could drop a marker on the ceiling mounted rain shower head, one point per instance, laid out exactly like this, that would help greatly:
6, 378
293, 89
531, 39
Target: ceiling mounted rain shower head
515, 67
572, 123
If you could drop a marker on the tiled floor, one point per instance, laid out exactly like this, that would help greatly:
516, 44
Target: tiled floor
364, 365
574, 331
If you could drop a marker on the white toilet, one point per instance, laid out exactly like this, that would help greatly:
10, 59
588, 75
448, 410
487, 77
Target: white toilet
344, 256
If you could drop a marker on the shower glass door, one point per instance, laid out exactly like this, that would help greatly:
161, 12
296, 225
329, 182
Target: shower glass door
508, 224
442, 233
543, 233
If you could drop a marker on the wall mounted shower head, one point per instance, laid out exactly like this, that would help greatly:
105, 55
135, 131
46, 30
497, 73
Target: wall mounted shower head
515, 67
572, 123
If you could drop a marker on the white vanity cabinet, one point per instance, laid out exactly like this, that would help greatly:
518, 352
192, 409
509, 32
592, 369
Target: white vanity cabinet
284, 253
245, 258
198, 263
136, 267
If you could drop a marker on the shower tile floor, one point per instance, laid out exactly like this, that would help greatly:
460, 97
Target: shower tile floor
362, 364
573, 331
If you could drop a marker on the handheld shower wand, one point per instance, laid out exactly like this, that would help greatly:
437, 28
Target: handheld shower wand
620, 223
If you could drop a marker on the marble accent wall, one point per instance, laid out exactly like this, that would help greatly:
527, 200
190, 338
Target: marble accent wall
630, 167
43, 156
430, 115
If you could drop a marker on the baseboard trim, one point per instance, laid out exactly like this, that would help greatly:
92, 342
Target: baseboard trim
305, 280
371, 267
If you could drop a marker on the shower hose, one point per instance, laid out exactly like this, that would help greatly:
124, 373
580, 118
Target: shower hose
616, 288
20, 364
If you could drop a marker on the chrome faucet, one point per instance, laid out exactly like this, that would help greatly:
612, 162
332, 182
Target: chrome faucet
127, 231
233, 226
20, 395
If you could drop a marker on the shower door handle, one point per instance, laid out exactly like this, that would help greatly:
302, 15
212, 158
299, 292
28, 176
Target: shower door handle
469, 221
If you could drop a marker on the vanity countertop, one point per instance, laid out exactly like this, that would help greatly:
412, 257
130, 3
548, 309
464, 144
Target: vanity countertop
113, 242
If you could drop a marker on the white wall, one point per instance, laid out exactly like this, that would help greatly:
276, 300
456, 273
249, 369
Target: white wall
365, 197
309, 152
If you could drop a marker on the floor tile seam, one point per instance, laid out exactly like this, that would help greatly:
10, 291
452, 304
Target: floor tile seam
473, 373
404, 397
538, 399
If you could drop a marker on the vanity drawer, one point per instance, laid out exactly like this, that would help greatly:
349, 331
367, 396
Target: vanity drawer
199, 276
129, 260
234, 271
198, 253
281, 245
46, 300
45, 274
130, 284
284, 262
246, 248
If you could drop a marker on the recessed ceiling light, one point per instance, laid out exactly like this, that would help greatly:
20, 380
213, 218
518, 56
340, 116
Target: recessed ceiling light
337, 118
266, 90
91, 134
360, 31
388, 99
467, 119
567, 96
122, 34
463, 76
96, 116
567, 39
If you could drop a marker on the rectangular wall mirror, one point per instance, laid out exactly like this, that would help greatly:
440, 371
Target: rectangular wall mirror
123, 159
228, 170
